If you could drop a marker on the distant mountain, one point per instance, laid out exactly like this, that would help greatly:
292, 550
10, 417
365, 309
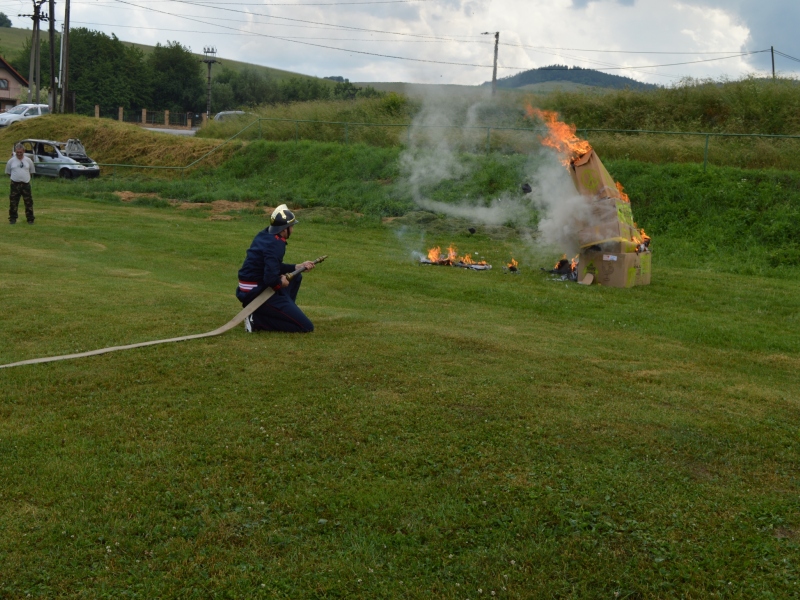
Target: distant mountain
572, 75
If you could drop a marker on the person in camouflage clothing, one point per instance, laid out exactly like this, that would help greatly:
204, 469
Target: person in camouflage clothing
20, 168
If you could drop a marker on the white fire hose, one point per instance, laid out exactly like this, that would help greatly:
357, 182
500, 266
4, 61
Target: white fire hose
243, 314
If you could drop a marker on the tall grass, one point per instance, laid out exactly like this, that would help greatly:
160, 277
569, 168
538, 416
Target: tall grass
747, 106
388, 110
109, 141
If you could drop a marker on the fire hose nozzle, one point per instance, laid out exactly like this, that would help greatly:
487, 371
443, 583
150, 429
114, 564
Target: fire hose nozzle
296, 272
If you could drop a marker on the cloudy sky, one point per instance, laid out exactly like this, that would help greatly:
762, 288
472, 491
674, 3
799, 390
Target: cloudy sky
646, 38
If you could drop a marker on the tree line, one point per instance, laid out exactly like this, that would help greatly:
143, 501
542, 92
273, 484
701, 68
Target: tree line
111, 73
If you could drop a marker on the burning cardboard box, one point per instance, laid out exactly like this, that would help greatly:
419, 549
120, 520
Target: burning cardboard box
613, 249
611, 227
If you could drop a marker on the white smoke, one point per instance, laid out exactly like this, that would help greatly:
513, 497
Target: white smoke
439, 134
441, 131
499, 212
563, 212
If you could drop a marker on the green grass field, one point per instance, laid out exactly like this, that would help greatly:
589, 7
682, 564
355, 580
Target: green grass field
442, 433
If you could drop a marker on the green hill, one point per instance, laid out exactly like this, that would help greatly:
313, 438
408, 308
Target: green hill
578, 75
12, 40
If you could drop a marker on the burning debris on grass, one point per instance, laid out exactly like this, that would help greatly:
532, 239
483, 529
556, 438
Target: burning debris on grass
566, 269
452, 259
512, 267
613, 250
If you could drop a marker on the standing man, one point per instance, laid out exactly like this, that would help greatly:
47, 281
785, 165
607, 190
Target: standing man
264, 268
20, 168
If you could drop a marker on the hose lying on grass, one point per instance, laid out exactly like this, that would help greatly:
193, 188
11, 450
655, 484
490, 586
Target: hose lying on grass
243, 314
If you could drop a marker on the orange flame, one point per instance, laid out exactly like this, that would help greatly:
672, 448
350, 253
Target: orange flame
513, 264
574, 264
563, 257
435, 256
622, 195
561, 136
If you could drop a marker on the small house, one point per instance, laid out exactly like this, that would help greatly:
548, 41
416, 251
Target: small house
11, 85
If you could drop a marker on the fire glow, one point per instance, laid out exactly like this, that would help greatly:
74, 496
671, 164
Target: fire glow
562, 138
452, 259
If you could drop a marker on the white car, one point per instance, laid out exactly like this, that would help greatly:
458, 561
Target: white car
67, 160
23, 112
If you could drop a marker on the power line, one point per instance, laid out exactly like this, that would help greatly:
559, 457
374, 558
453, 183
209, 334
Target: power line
246, 33
394, 56
210, 2
691, 62
348, 27
422, 60
617, 51
787, 56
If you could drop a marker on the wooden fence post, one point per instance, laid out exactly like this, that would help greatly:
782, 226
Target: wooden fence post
166, 118
96, 111
144, 116
121, 114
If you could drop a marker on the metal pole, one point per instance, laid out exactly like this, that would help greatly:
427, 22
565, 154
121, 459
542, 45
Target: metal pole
296, 132
210, 53
345, 134
38, 51
705, 155
772, 51
488, 139
52, 31
65, 60
494, 70
57, 100
208, 99
32, 62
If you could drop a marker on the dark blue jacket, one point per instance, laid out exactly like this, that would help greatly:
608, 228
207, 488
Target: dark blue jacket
263, 266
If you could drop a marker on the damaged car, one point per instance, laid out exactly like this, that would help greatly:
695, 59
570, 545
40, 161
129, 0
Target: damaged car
67, 160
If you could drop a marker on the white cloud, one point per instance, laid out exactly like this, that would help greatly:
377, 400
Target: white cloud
652, 25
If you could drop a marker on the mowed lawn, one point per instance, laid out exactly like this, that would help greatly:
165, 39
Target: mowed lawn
442, 433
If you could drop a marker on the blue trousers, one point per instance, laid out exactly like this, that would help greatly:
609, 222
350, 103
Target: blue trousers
280, 313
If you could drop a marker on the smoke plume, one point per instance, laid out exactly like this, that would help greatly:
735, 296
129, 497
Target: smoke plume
443, 129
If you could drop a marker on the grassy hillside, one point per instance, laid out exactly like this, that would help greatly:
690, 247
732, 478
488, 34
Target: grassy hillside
109, 141
578, 75
12, 40
443, 433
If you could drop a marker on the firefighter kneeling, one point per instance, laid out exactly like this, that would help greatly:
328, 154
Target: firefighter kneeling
264, 268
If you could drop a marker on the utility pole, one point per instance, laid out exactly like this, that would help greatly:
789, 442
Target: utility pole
772, 51
210, 59
64, 79
52, 99
34, 67
494, 70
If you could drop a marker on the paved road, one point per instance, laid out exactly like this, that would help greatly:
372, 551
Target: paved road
171, 131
